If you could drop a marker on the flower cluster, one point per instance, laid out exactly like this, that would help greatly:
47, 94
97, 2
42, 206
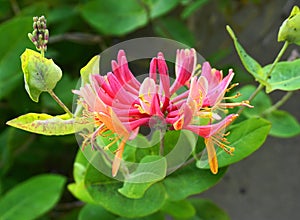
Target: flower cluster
40, 34
119, 103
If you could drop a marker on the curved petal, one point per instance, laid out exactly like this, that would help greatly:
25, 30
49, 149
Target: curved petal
207, 131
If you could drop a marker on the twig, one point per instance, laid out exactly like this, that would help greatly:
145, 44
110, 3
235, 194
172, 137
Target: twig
279, 103
77, 37
261, 86
191, 160
25, 145
15, 7
68, 206
61, 104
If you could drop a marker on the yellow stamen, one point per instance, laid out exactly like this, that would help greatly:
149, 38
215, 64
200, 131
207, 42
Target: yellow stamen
233, 97
112, 143
197, 71
232, 86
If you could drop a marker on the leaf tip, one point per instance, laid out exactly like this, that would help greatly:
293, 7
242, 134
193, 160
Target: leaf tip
230, 31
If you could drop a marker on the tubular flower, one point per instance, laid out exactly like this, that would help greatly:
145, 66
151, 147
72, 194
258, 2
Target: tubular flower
120, 104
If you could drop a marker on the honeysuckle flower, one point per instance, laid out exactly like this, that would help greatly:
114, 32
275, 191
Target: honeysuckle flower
119, 103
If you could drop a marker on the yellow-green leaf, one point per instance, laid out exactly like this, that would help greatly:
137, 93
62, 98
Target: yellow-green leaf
40, 74
91, 68
44, 124
290, 29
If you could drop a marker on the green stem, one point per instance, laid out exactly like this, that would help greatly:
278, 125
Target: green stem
61, 104
279, 103
261, 86
281, 52
191, 160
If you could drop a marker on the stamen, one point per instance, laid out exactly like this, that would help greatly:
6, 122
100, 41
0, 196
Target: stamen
197, 71
233, 97
225, 147
110, 144
232, 86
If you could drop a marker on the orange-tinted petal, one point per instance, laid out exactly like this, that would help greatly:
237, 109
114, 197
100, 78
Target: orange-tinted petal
212, 156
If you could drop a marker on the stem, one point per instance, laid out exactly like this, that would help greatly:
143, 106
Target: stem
261, 86
15, 7
61, 104
68, 206
191, 160
43, 53
77, 37
281, 52
279, 103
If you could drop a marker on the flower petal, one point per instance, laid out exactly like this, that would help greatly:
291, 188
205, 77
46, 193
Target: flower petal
216, 94
207, 131
212, 156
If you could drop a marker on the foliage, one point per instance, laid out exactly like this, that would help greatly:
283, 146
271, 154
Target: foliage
80, 30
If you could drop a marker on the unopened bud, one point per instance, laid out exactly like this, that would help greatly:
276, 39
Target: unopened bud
40, 34
46, 35
290, 29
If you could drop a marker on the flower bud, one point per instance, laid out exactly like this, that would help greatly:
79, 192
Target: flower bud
290, 29
40, 34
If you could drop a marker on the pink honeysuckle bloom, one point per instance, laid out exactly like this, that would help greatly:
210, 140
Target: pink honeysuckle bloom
119, 103
217, 87
214, 135
204, 96
184, 68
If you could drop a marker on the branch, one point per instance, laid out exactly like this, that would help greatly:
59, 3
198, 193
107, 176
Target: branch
77, 37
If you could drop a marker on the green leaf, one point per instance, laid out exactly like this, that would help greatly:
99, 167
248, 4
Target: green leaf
32, 198
11, 141
246, 137
63, 17
151, 169
250, 64
40, 74
16, 40
160, 7
290, 29
182, 209
192, 7
104, 192
285, 76
175, 29
80, 192
78, 189
284, 124
207, 210
261, 102
114, 17
190, 181
44, 124
95, 212
38, 8
155, 216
